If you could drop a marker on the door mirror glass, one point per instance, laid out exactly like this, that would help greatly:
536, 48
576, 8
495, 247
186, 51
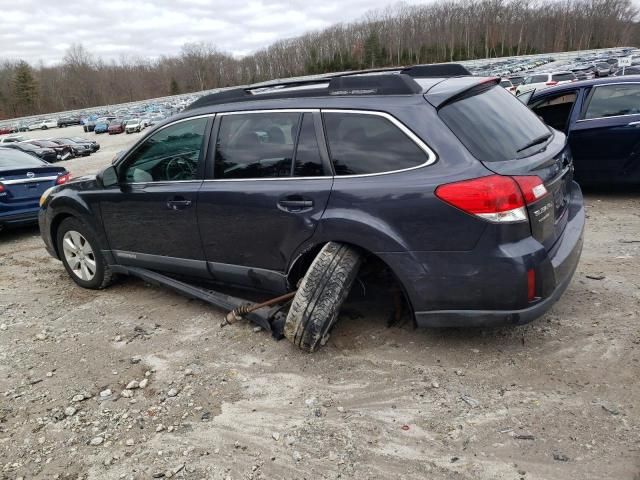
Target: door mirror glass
108, 177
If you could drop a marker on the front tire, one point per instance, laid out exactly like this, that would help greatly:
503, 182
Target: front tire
80, 253
323, 289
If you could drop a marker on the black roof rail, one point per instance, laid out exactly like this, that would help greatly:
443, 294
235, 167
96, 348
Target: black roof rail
435, 70
374, 85
380, 81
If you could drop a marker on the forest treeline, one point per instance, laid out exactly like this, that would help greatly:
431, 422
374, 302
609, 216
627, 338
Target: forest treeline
398, 35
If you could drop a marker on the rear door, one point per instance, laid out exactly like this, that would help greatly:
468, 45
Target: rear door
510, 139
150, 218
606, 138
268, 186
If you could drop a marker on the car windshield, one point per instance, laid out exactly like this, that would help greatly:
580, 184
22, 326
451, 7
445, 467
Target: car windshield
494, 126
10, 159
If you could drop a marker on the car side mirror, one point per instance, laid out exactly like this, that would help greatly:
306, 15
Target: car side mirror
108, 177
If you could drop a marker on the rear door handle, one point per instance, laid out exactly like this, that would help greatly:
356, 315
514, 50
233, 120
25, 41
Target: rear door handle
178, 204
634, 124
295, 204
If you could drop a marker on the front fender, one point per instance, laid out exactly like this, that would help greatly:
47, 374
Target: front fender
72, 202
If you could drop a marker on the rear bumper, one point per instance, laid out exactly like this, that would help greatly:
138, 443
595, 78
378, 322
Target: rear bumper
17, 219
495, 281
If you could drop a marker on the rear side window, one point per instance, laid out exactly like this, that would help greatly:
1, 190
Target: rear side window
563, 77
494, 126
256, 145
612, 100
363, 144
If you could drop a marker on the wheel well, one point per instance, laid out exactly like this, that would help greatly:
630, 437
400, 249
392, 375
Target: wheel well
373, 268
55, 224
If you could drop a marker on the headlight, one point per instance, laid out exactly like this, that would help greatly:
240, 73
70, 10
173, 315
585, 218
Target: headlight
45, 195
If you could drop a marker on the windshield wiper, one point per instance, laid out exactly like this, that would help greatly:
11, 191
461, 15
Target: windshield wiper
535, 142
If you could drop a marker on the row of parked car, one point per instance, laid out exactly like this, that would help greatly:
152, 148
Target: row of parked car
113, 125
148, 112
581, 68
51, 149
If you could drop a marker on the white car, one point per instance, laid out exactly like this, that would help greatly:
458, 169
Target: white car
540, 81
134, 125
507, 85
43, 124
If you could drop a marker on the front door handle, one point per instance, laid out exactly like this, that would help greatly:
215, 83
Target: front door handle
178, 203
295, 204
633, 124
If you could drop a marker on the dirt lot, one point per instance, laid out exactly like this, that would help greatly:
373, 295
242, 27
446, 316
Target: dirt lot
556, 399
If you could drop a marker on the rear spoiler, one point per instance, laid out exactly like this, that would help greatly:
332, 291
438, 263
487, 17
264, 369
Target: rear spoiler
451, 88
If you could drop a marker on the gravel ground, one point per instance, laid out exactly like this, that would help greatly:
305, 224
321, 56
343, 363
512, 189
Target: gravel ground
136, 382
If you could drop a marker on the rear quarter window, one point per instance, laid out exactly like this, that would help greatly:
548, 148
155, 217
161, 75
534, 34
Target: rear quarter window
366, 143
493, 125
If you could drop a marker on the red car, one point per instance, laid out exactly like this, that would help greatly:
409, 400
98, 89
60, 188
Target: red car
116, 126
5, 129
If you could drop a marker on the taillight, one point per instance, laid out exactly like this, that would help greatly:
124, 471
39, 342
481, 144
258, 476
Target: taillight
551, 84
1, 188
531, 285
532, 188
62, 179
496, 198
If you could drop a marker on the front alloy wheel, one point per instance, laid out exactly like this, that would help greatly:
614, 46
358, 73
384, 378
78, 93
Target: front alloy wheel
79, 250
79, 255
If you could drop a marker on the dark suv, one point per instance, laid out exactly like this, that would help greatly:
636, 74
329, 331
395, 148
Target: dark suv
448, 182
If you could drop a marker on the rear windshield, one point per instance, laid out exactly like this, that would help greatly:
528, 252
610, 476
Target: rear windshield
494, 126
10, 159
537, 79
563, 77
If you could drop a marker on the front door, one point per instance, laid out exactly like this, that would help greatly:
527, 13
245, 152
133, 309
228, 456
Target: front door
150, 221
605, 141
270, 185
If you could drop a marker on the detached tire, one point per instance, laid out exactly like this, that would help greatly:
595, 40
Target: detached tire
323, 289
81, 256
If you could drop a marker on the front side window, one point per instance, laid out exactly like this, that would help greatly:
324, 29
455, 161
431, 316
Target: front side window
555, 111
171, 154
363, 144
256, 145
613, 100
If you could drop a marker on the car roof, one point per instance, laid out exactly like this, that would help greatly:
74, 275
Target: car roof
587, 83
435, 90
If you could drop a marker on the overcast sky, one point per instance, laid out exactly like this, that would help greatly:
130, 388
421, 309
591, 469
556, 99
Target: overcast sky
41, 30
